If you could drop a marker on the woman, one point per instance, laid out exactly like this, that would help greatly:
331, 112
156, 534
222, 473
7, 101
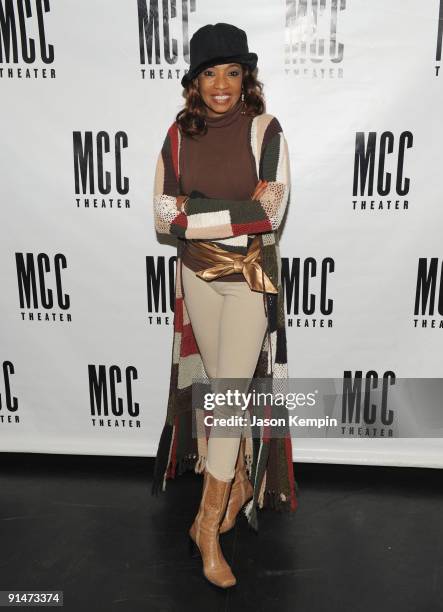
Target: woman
221, 186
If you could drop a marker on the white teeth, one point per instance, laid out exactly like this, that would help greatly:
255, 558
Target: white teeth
221, 98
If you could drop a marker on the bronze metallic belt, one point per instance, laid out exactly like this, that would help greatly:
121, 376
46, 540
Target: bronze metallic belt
222, 262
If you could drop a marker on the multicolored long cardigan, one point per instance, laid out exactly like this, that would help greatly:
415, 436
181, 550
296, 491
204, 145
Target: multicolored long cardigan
268, 459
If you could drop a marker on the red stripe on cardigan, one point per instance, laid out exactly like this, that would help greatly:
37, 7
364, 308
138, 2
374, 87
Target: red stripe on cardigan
181, 220
188, 343
173, 136
251, 228
178, 320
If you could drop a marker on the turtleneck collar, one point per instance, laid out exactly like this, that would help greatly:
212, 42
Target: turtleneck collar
226, 118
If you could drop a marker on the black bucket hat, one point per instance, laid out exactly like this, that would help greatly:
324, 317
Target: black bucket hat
218, 44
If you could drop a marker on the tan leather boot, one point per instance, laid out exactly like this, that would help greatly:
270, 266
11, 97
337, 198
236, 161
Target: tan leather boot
204, 531
241, 492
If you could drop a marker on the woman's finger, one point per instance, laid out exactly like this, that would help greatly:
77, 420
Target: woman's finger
258, 192
260, 188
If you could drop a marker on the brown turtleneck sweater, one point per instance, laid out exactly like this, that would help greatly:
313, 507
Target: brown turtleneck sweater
219, 164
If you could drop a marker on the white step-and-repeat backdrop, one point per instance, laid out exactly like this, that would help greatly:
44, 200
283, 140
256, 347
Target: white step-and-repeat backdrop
87, 92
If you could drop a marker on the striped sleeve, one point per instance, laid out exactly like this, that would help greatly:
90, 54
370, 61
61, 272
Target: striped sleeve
167, 218
209, 218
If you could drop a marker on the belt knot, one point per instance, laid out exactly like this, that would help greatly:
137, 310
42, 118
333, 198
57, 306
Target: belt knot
221, 263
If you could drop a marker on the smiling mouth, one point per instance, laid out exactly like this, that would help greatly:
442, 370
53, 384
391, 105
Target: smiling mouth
221, 99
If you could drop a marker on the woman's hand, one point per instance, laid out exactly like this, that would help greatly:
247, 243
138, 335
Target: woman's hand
180, 199
259, 189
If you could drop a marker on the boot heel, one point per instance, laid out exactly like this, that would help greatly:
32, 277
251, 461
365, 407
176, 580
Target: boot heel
194, 551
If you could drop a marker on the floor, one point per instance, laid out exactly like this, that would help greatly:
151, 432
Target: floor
363, 539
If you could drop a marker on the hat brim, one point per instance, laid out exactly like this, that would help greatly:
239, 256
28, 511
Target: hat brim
250, 59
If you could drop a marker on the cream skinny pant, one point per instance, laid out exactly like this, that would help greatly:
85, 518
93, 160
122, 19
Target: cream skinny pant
229, 324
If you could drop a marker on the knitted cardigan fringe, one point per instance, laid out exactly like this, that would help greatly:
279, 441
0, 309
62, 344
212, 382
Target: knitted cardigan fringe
268, 459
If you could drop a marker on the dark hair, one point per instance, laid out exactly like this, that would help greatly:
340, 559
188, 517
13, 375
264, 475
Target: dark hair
191, 119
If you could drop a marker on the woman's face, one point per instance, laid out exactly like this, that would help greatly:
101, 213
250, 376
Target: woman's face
220, 87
